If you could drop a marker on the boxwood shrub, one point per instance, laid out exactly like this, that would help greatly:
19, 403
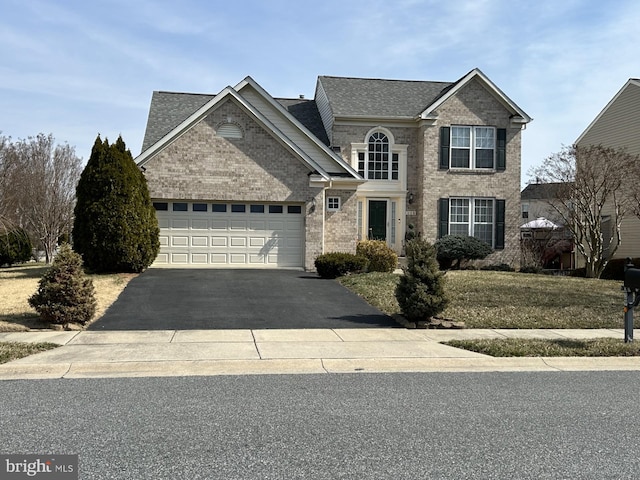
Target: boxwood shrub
337, 264
381, 257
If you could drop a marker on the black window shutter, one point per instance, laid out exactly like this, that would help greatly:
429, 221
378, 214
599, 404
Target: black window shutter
501, 150
443, 217
445, 140
499, 240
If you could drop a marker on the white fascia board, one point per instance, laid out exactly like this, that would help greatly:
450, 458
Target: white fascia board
631, 81
428, 112
204, 111
334, 156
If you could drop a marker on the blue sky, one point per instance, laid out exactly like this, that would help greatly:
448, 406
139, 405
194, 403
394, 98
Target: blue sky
76, 68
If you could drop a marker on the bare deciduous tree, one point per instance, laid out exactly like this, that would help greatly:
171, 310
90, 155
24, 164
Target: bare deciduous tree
595, 190
42, 181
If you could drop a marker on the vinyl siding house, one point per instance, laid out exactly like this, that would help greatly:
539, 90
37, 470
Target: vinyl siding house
618, 126
243, 179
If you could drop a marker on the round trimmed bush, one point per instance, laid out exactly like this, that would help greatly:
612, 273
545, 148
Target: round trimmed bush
337, 264
453, 250
381, 257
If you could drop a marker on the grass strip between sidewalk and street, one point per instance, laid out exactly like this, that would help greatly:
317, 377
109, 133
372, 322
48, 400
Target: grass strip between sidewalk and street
519, 347
14, 350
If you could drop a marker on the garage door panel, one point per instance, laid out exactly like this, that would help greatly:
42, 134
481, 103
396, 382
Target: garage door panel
200, 258
180, 223
219, 225
219, 241
219, 258
238, 241
180, 258
238, 225
257, 242
271, 238
199, 241
237, 258
179, 241
199, 224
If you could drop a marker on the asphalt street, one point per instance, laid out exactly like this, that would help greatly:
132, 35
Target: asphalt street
351, 426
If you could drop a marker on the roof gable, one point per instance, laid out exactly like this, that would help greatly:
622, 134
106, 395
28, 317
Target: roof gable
631, 85
518, 115
162, 116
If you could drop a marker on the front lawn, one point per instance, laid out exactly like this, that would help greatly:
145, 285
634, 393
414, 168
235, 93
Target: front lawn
17, 284
486, 299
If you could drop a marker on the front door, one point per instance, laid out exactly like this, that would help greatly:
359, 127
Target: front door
377, 220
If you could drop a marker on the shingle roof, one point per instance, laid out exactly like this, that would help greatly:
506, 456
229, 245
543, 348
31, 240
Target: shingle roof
542, 191
306, 112
167, 111
380, 98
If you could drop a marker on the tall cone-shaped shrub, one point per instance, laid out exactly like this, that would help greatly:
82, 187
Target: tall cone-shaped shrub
420, 291
64, 293
115, 227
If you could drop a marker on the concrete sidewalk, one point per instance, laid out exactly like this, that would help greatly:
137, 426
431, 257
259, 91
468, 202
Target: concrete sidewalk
91, 354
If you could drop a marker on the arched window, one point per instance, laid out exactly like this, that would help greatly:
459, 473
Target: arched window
378, 162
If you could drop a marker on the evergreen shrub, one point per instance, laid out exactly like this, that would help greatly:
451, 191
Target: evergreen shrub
337, 264
454, 250
15, 247
420, 291
64, 292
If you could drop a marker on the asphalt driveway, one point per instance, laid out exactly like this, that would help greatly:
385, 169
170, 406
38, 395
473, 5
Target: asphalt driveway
171, 299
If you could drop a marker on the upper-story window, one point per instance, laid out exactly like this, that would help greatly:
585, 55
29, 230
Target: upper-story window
472, 147
468, 147
379, 162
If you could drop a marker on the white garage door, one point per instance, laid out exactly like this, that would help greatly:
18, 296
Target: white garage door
254, 235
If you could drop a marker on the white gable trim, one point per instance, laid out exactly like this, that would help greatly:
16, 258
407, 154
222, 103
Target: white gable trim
203, 111
632, 81
428, 113
283, 111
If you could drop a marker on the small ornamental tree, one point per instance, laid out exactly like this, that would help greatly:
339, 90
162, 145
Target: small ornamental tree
15, 247
454, 250
420, 291
64, 293
115, 227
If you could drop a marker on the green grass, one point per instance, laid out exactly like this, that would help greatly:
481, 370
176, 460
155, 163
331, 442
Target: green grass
14, 350
485, 299
517, 347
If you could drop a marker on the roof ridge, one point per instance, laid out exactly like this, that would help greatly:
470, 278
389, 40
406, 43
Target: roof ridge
184, 93
383, 79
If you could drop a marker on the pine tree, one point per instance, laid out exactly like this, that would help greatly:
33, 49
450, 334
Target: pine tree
115, 227
64, 293
420, 291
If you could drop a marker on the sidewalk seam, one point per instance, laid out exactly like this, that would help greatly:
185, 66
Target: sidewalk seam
255, 344
173, 336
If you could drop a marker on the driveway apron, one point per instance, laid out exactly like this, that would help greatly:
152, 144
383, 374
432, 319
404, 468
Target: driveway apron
180, 299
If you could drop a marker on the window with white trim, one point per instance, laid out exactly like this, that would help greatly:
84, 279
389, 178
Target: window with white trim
333, 204
379, 162
473, 217
472, 147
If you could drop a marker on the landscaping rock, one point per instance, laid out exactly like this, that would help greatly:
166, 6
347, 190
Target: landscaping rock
73, 327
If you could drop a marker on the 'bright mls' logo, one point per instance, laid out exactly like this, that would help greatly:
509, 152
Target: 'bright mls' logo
58, 467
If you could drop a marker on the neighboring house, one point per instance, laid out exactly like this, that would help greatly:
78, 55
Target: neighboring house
618, 126
242, 179
545, 240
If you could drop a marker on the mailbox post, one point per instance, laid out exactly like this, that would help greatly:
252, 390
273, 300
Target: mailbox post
631, 289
